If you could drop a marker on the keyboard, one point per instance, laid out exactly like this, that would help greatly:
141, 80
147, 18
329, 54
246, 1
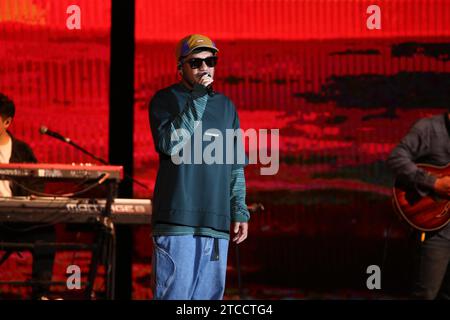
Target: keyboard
73, 210
55, 171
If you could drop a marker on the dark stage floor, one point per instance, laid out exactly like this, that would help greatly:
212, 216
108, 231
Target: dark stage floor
18, 268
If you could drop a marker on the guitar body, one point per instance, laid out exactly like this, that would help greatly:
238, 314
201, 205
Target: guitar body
427, 213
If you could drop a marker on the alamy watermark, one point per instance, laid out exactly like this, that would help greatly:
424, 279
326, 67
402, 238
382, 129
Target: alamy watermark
73, 21
373, 22
228, 149
74, 277
374, 280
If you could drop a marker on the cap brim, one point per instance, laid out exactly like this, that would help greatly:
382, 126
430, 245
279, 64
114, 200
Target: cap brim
200, 47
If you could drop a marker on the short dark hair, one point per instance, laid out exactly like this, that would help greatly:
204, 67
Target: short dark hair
7, 108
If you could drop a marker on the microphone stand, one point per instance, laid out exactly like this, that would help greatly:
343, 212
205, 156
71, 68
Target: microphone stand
76, 146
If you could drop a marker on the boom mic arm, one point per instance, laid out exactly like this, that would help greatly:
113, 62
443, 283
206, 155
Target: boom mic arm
47, 131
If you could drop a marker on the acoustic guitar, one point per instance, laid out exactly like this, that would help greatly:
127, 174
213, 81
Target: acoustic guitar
427, 213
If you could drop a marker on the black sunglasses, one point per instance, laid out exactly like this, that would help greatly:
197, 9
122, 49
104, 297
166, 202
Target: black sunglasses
196, 63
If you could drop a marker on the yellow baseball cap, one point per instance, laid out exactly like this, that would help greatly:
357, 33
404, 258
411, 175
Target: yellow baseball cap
194, 41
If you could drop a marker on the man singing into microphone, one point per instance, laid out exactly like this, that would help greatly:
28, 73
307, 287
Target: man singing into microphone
13, 150
194, 204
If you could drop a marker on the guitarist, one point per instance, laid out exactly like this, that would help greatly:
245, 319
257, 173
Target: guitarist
428, 142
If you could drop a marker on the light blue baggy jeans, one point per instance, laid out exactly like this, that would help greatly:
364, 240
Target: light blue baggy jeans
184, 268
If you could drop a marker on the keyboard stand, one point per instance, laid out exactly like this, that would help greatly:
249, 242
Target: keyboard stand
105, 251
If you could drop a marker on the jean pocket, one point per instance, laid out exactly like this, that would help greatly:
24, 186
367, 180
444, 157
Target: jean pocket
164, 268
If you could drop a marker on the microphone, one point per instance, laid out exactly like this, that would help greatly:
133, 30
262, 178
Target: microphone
209, 89
47, 131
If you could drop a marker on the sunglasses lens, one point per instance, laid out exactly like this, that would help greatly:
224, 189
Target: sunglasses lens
211, 61
196, 63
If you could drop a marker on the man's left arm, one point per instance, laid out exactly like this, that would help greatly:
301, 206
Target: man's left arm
239, 212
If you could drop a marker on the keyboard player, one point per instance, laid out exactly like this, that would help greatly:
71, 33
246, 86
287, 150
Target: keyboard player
13, 150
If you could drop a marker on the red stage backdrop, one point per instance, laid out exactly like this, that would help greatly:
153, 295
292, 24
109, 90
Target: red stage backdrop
57, 77
311, 69
341, 95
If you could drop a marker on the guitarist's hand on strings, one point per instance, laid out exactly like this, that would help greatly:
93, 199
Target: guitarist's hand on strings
442, 186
